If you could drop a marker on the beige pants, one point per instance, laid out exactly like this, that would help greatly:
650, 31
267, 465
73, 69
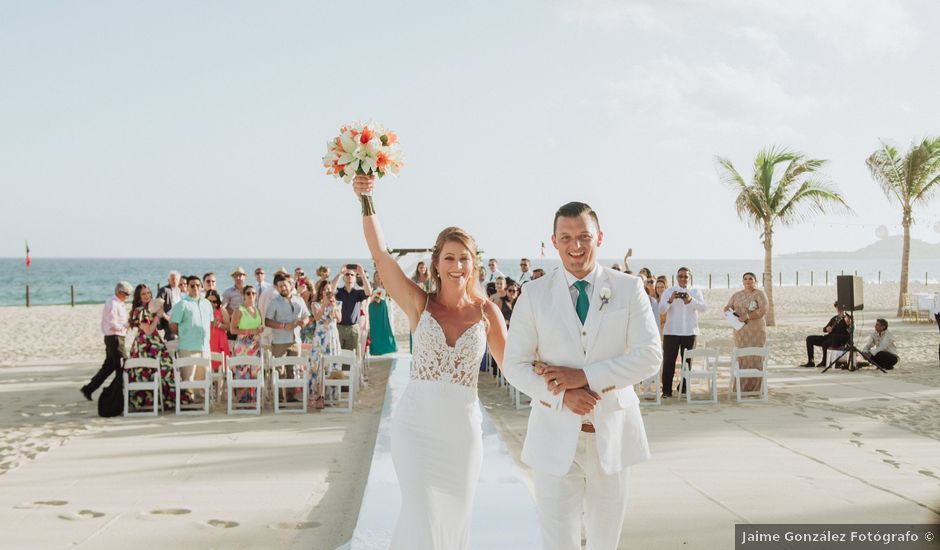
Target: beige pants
192, 373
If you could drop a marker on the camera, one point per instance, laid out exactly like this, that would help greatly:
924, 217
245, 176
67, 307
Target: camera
352, 266
681, 295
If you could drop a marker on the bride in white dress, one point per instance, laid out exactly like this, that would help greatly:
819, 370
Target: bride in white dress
436, 429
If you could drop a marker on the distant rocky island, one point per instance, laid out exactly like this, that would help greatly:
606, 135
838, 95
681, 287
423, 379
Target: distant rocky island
887, 248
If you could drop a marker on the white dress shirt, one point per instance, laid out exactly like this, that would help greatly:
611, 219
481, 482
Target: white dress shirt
491, 276
525, 277
881, 342
682, 318
573, 290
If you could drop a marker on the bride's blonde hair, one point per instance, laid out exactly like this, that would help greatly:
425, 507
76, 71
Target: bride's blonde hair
461, 237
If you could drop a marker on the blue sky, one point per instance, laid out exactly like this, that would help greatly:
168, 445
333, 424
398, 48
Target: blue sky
185, 129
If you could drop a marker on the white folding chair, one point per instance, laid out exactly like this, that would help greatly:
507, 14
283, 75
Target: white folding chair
151, 386
196, 384
351, 354
521, 400
348, 366
298, 380
737, 373
255, 382
218, 378
643, 390
706, 370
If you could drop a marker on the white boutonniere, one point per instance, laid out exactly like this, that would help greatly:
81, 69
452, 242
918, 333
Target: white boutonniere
605, 297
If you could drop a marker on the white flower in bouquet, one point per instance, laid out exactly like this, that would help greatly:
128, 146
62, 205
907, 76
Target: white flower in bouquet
365, 149
752, 305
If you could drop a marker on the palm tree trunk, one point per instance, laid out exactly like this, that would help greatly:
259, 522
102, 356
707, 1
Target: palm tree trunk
905, 256
769, 272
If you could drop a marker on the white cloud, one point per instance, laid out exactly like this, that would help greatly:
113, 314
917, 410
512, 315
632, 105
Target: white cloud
607, 14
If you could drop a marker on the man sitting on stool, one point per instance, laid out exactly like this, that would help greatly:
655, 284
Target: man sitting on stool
880, 350
836, 335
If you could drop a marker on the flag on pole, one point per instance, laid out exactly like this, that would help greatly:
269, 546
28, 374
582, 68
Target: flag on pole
542, 253
27, 254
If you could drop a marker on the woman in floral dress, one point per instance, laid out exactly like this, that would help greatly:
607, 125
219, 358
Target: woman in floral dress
325, 335
750, 305
149, 344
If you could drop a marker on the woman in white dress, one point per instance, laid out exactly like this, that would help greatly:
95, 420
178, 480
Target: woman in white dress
436, 431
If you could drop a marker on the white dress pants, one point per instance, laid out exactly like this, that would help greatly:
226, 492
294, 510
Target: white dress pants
585, 491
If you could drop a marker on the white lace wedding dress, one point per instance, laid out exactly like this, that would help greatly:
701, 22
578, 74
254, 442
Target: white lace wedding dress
436, 439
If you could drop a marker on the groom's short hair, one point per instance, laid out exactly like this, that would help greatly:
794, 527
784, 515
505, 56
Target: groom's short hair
574, 210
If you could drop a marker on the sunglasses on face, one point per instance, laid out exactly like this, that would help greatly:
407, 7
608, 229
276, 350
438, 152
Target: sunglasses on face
250, 293
682, 276
651, 282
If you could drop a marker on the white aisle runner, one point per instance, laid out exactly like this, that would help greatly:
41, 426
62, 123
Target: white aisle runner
504, 515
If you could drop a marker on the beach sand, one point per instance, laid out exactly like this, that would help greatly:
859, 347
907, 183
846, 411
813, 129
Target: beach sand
843, 447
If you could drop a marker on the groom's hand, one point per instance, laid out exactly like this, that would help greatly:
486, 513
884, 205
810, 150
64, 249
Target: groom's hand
581, 401
559, 379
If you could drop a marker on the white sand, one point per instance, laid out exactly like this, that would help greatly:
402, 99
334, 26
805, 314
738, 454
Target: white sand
861, 447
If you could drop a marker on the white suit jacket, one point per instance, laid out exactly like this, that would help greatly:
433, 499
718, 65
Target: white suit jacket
617, 347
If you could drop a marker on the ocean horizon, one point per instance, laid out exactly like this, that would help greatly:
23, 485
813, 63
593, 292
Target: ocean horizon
50, 279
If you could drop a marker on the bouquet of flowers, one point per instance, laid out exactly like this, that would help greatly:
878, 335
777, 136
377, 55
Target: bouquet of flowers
362, 149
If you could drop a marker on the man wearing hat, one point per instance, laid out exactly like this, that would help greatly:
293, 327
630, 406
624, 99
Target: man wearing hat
232, 298
114, 323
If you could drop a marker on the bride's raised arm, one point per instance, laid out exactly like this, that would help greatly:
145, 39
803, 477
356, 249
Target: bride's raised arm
409, 296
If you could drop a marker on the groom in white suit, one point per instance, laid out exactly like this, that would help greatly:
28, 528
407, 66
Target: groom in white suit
578, 341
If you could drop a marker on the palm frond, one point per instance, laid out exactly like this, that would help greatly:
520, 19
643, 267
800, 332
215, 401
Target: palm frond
812, 197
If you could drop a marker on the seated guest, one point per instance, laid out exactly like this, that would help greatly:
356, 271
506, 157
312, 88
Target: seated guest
880, 349
836, 335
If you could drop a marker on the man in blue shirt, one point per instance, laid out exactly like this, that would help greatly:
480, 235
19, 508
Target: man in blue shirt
191, 319
350, 296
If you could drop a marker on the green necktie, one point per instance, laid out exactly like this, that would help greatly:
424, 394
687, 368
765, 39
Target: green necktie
583, 301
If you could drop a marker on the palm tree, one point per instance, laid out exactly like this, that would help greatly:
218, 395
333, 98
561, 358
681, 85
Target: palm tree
772, 195
911, 180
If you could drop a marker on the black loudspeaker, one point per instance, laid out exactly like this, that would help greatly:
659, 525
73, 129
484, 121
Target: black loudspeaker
849, 292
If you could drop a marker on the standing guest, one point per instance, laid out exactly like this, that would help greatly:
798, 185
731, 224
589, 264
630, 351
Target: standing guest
264, 298
308, 294
218, 335
235, 294
209, 282
835, 335
509, 302
880, 349
114, 325
246, 326
658, 290
421, 277
285, 316
626, 260
261, 285
499, 295
149, 344
381, 336
645, 273
649, 286
494, 271
349, 298
171, 295
537, 273
616, 267
526, 276
323, 273
192, 321
232, 298
300, 278
326, 314
750, 306
681, 304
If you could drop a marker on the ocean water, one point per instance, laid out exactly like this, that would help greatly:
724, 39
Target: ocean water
50, 279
